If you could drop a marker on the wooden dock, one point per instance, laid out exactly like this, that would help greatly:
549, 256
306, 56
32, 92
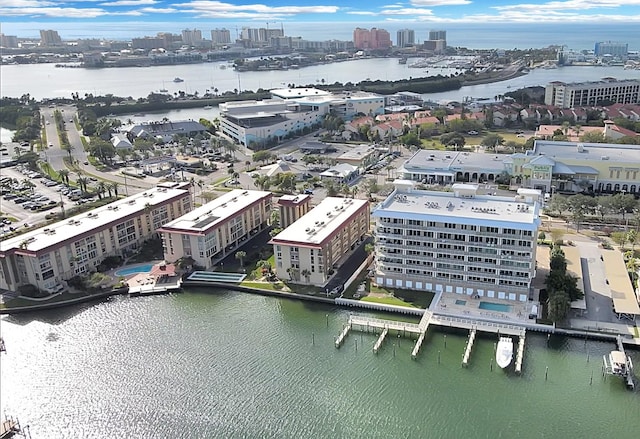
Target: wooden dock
383, 326
383, 334
343, 335
520, 353
468, 347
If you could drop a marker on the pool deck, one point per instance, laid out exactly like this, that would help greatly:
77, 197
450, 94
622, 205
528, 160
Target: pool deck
519, 311
161, 279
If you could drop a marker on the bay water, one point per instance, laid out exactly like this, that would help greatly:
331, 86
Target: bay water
211, 364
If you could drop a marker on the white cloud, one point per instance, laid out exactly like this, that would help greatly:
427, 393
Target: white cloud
216, 6
129, 3
158, 10
406, 11
578, 5
361, 13
26, 3
54, 12
440, 2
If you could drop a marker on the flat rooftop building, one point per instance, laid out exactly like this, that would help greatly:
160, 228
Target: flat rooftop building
311, 248
50, 255
458, 242
212, 231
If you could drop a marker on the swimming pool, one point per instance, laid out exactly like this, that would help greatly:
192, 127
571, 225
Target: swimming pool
461, 302
491, 306
134, 270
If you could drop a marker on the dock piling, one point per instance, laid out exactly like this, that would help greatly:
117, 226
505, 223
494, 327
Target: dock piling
546, 373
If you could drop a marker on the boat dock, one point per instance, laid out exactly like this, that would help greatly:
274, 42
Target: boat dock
619, 364
383, 326
468, 347
343, 335
520, 353
383, 334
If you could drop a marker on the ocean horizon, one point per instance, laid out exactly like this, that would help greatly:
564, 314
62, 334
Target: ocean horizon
575, 36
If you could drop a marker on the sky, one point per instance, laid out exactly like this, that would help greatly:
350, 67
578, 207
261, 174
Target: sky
97, 15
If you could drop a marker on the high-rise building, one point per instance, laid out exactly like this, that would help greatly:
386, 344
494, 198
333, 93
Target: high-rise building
405, 38
8, 41
191, 37
148, 43
590, 94
50, 38
371, 39
220, 36
438, 35
610, 48
457, 242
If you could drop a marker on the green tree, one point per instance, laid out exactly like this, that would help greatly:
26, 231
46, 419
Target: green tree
490, 141
558, 306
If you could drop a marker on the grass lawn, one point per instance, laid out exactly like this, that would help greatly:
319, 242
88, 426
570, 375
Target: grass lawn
278, 286
387, 300
417, 299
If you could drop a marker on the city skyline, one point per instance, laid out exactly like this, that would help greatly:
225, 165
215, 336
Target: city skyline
18, 14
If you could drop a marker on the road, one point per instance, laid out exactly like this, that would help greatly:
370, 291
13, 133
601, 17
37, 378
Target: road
55, 155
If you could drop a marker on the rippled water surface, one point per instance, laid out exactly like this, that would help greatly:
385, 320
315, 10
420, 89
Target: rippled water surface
232, 365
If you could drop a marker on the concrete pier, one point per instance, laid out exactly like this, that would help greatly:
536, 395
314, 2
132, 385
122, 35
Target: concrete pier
469, 346
343, 335
376, 347
520, 353
416, 348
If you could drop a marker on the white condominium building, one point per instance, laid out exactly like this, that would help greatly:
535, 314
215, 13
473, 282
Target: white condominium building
457, 242
210, 232
310, 249
591, 94
44, 257
257, 124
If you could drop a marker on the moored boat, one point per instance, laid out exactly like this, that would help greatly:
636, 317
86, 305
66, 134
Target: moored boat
177, 79
504, 352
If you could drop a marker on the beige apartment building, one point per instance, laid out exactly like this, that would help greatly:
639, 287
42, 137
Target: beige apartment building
211, 232
310, 249
47, 256
292, 208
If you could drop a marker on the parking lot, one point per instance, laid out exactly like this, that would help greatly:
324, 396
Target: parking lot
29, 196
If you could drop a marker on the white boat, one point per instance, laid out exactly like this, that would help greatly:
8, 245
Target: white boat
177, 79
208, 107
504, 352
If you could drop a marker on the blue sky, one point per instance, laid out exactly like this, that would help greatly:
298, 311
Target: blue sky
417, 11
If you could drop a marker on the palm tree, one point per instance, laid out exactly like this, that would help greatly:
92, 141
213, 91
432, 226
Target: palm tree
101, 188
64, 176
240, 255
114, 186
354, 191
83, 182
17, 151
306, 273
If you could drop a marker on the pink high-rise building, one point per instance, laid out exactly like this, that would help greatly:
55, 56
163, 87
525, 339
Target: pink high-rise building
371, 39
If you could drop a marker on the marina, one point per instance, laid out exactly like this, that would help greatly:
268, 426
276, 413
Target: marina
236, 355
